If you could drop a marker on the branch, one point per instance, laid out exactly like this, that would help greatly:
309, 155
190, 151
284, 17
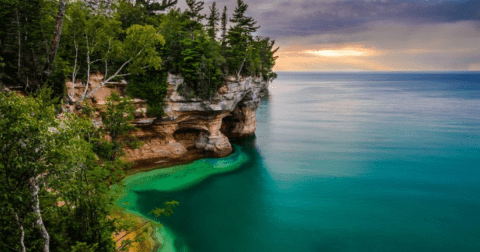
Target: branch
105, 81
114, 75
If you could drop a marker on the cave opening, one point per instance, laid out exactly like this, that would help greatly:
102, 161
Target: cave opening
228, 125
189, 137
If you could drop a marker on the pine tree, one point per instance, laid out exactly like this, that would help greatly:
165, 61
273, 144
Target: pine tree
152, 6
243, 25
224, 25
213, 19
194, 10
240, 39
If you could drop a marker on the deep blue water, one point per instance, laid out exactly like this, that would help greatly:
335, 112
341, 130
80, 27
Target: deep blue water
346, 162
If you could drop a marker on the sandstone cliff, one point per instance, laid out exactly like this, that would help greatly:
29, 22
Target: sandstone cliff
191, 128
194, 128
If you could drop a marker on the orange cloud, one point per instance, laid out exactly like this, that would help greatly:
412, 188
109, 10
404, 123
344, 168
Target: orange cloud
329, 58
344, 52
385, 46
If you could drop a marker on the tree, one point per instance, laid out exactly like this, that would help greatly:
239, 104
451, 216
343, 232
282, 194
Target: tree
56, 183
119, 112
173, 29
201, 67
154, 6
240, 39
213, 19
35, 147
62, 5
151, 86
194, 9
26, 31
224, 26
266, 59
110, 49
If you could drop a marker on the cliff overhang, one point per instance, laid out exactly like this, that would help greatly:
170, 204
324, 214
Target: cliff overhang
191, 128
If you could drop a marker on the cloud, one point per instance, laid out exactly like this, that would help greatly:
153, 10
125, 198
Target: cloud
306, 17
386, 46
399, 34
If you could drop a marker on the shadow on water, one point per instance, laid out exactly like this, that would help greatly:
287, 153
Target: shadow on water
220, 205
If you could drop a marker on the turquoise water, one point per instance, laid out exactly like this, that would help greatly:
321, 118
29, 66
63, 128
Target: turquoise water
344, 162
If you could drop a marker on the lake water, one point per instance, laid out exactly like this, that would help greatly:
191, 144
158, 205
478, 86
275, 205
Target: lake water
344, 162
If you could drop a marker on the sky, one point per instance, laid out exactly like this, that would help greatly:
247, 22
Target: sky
369, 35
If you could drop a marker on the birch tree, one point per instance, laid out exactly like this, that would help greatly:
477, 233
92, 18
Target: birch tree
32, 149
105, 46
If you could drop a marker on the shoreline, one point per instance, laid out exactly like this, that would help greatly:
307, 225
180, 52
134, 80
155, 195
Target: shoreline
175, 178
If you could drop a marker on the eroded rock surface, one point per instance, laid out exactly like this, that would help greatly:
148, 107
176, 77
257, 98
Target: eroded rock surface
192, 128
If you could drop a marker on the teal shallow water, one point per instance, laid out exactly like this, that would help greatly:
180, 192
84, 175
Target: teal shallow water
343, 162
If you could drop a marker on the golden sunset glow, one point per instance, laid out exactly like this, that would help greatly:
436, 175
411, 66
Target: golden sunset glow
338, 53
352, 57
343, 52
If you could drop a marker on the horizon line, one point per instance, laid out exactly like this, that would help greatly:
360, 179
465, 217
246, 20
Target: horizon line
378, 71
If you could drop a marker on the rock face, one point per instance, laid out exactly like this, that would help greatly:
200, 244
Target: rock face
193, 128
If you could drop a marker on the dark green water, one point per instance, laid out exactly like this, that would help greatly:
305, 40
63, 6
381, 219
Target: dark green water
345, 162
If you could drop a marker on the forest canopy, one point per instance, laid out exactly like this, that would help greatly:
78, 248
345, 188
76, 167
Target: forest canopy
48, 42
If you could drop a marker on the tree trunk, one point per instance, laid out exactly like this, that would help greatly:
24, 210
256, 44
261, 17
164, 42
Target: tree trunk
19, 44
22, 233
36, 209
56, 37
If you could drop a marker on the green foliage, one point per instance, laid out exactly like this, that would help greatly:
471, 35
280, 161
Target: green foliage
194, 8
129, 14
133, 38
117, 116
153, 6
151, 86
240, 41
96, 42
224, 27
201, 65
75, 168
88, 110
57, 153
70, 157
119, 112
29, 146
139, 45
25, 32
213, 19
173, 29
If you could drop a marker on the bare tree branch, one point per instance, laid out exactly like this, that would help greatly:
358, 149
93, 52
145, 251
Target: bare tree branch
117, 73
